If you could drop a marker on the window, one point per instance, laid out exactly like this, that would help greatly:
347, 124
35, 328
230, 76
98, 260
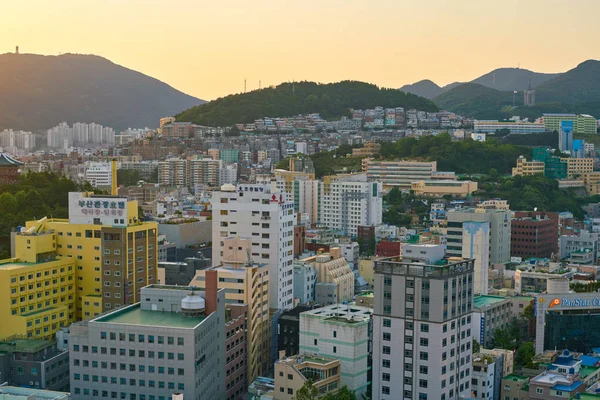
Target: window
422, 383
386, 363
385, 390
424, 355
539, 390
387, 336
385, 377
387, 323
424, 328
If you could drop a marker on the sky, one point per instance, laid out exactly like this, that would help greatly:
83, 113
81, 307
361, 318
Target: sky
208, 48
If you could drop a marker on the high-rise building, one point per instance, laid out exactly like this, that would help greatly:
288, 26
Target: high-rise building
98, 174
253, 211
534, 234
245, 282
579, 123
343, 332
195, 171
467, 232
301, 188
349, 201
422, 329
172, 341
115, 254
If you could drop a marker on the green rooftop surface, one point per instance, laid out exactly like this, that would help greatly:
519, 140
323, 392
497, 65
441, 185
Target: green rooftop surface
24, 345
482, 301
40, 311
586, 396
586, 371
515, 378
134, 315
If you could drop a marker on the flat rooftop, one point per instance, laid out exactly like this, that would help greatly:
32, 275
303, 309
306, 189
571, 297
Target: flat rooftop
134, 315
8, 264
482, 301
515, 378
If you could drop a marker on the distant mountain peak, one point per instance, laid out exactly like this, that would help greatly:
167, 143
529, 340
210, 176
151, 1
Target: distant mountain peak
424, 88
39, 91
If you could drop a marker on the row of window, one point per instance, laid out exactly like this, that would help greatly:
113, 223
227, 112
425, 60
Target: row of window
141, 338
132, 353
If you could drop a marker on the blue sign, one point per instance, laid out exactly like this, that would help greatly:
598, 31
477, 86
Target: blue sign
482, 331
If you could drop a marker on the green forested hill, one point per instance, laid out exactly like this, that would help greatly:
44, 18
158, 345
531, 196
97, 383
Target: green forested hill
287, 99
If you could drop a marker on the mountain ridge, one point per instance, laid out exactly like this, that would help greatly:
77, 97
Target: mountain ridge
39, 91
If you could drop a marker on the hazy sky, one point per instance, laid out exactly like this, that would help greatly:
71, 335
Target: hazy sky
207, 48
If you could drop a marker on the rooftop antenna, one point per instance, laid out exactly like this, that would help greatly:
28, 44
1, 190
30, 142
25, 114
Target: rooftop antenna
244, 86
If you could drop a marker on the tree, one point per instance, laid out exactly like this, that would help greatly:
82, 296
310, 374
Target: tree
308, 391
343, 394
493, 173
476, 346
524, 354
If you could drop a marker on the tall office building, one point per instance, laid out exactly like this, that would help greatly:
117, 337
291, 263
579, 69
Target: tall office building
253, 211
98, 174
565, 136
192, 172
115, 253
245, 283
422, 329
349, 201
466, 228
301, 188
171, 342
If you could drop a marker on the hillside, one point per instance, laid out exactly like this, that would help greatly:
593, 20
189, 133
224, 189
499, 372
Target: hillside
37, 92
330, 100
424, 88
578, 85
476, 101
575, 91
509, 79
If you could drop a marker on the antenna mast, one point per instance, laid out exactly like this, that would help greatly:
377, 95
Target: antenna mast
244, 86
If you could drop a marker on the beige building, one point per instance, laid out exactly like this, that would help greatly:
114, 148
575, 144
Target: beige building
438, 188
398, 173
370, 149
514, 387
245, 282
291, 373
527, 168
591, 180
578, 166
335, 280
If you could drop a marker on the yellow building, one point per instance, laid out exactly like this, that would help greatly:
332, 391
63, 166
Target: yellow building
591, 181
527, 168
443, 187
115, 254
335, 280
366, 270
245, 283
291, 373
577, 167
37, 288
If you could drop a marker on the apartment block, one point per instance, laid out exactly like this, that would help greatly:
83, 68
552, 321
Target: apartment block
171, 342
528, 168
253, 211
349, 201
245, 282
343, 332
422, 329
534, 234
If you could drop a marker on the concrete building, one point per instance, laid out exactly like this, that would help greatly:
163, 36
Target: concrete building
245, 282
37, 289
38, 364
515, 127
439, 188
288, 329
349, 201
580, 249
98, 174
195, 171
343, 332
422, 329
515, 387
305, 279
23, 393
539, 281
335, 280
370, 149
489, 313
561, 381
528, 168
253, 211
582, 123
398, 173
534, 234
184, 233
301, 188
476, 245
292, 372
503, 366
236, 346
115, 253
482, 382
170, 342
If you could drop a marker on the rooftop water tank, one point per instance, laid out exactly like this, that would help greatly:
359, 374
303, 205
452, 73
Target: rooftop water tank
193, 305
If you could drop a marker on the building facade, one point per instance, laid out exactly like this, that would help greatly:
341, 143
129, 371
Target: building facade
252, 211
422, 329
398, 173
170, 342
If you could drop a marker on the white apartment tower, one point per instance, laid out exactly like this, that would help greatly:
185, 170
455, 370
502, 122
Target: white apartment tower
422, 330
253, 211
349, 201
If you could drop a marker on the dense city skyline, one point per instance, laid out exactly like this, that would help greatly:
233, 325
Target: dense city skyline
273, 42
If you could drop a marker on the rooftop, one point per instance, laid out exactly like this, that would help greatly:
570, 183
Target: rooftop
516, 378
134, 315
13, 263
482, 301
24, 345
15, 393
